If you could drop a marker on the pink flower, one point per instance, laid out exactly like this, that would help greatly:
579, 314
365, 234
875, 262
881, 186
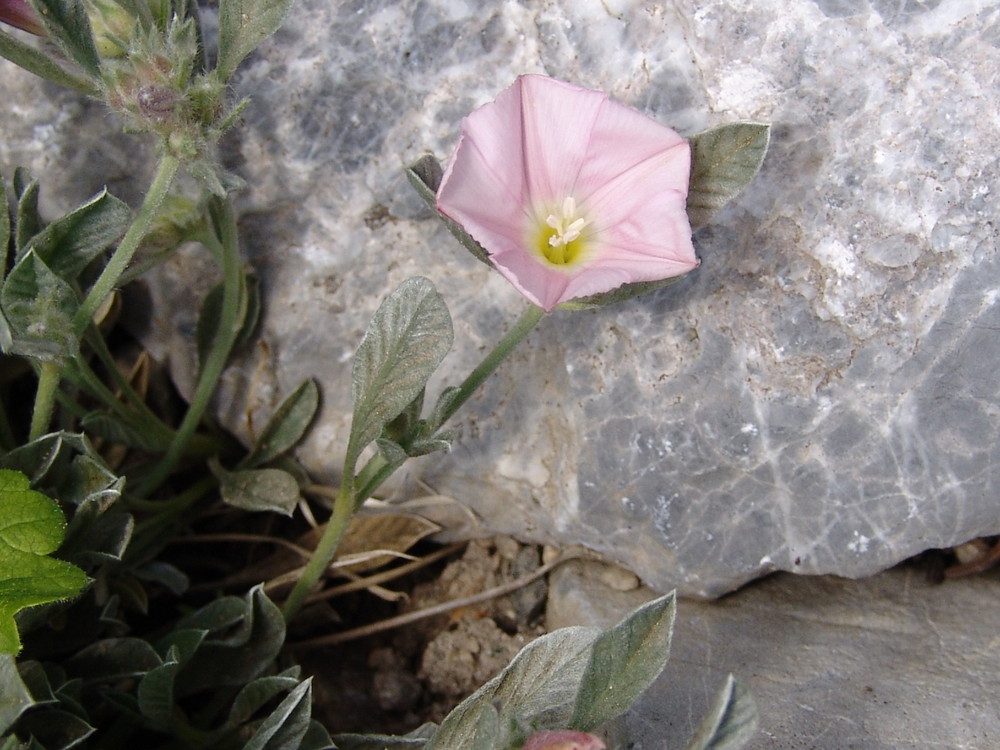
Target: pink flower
570, 193
563, 739
20, 15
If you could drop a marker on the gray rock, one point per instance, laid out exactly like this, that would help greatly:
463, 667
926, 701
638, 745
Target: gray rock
819, 397
888, 663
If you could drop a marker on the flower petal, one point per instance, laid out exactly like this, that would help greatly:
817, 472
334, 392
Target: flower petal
557, 121
543, 286
545, 144
624, 139
482, 200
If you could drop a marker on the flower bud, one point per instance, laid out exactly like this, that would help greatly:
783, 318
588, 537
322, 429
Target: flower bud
112, 25
20, 15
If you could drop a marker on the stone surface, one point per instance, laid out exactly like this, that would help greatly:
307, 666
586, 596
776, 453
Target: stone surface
888, 663
820, 396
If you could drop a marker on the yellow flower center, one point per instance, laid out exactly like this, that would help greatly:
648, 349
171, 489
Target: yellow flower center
560, 240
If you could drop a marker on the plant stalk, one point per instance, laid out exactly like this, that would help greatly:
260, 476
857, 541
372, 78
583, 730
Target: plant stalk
344, 508
230, 319
158, 189
377, 470
45, 399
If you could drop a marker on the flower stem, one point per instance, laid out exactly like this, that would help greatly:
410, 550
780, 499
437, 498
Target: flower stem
377, 470
45, 398
344, 508
234, 303
524, 325
158, 189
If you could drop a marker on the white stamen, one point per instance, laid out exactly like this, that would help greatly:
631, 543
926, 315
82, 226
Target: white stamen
568, 226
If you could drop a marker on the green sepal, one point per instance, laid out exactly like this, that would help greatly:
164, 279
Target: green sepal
425, 177
621, 294
723, 162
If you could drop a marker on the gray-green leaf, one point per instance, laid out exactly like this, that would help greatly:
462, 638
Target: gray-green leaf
537, 689
625, 661
39, 308
4, 228
287, 724
730, 722
425, 177
260, 489
723, 162
404, 344
29, 223
287, 424
156, 694
15, 698
68, 24
70, 242
243, 24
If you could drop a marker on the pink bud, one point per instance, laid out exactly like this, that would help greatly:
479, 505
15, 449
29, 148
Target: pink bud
563, 739
19, 14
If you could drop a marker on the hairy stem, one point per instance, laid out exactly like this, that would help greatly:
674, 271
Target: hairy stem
158, 189
231, 317
377, 470
45, 399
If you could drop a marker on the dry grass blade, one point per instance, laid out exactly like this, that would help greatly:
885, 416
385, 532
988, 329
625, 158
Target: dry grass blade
438, 609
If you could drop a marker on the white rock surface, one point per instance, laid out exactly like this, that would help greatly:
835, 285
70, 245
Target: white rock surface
820, 396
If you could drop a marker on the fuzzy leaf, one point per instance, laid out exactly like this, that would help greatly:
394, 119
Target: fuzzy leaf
723, 162
254, 634
404, 344
31, 527
254, 695
55, 729
70, 242
625, 661
156, 694
29, 57
287, 724
114, 659
411, 740
39, 308
5, 227
211, 314
392, 452
537, 689
730, 722
29, 223
260, 489
68, 24
287, 424
15, 697
243, 24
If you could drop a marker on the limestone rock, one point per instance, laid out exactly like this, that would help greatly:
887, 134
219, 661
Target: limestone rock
819, 397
